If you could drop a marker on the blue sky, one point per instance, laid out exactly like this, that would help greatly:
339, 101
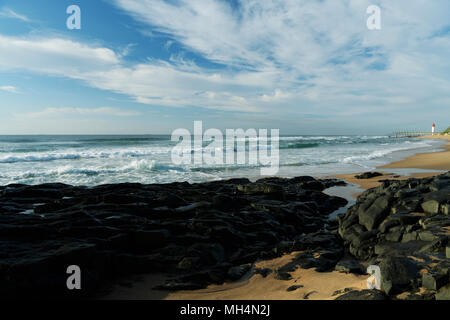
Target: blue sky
151, 66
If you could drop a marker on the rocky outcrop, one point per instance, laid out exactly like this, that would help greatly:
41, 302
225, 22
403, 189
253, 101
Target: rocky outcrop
199, 233
404, 228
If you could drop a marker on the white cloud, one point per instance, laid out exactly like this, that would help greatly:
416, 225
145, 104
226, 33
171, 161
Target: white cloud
8, 13
69, 111
278, 57
11, 89
299, 53
54, 56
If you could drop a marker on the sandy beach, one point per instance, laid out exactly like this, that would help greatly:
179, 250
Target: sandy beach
430, 161
435, 160
313, 285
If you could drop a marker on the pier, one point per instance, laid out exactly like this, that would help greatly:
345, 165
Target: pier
412, 133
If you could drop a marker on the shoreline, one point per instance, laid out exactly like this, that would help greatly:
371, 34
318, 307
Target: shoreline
273, 239
438, 161
430, 160
312, 284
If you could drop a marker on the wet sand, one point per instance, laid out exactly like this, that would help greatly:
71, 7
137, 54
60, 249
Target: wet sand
433, 160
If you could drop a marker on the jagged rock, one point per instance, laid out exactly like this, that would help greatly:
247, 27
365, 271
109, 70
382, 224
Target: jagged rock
375, 214
431, 206
443, 293
193, 232
281, 275
236, 273
363, 295
397, 274
434, 281
260, 188
445, 208
393, 213
264, 272
426, 295
341, 291
350, 266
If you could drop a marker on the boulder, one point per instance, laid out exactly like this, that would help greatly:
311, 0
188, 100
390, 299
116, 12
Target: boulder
397, 274
443, 293
236, 273
264, 272
350, 266
368, 175
430, 206
434, 281
445, 208
375, 214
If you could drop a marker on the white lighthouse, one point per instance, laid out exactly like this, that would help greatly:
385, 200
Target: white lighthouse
432, 129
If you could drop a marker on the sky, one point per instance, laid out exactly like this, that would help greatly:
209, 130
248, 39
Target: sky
151, 66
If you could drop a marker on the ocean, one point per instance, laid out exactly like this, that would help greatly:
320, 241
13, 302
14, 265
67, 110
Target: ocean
103, 159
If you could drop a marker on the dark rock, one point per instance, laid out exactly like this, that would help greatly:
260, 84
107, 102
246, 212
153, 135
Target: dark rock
151, 239
294, 287
363, 295
350, 266
443, 293
313, 185
394, 210
368, 175
426, 295
434, 281
431, 206
193, 232
307, 295
177, 286
236, 273
345, 290
445, 208
375, 214
259, 188
282, 275
264, 272
397, 274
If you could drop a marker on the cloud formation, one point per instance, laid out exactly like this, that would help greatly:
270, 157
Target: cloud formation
290, 57
70, 111
10, 89
8, 13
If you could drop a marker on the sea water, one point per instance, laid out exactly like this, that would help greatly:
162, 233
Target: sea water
101, 159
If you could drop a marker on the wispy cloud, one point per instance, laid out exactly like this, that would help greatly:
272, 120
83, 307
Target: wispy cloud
274, 57
11, 89
8, 13
70, 111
